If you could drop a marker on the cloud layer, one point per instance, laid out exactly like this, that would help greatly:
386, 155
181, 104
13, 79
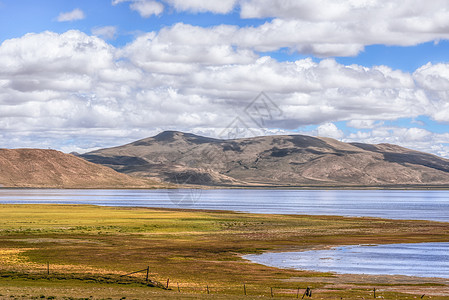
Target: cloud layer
323, 27
76, 86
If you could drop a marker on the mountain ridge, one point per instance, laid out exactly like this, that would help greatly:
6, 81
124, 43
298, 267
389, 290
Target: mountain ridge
283, 160
41, 168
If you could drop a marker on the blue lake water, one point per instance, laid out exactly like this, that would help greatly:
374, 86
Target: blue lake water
391, 204
422, 260
428, 259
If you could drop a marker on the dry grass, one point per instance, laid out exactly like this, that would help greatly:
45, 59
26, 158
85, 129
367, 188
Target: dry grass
192, 248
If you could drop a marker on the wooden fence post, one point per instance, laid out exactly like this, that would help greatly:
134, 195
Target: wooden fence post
307, 293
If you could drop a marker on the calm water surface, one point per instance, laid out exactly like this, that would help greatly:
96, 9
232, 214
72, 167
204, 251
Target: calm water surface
422, 260
418, 205
429, 259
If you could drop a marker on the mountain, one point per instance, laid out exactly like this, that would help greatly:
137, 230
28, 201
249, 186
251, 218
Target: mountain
288, 160
53, 169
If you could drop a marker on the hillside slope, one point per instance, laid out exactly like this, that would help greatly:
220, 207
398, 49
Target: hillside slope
290, 160
53, 169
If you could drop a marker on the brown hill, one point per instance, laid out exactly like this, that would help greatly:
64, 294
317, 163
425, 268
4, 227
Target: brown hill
290, 160
54, 169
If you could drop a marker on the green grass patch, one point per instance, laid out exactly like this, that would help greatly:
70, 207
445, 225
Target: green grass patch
192, 248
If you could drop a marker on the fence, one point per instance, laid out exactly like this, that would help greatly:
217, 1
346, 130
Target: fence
243, 289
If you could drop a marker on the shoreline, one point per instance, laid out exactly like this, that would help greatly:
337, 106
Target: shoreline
198, 246
411, 187
278, 262
391, 205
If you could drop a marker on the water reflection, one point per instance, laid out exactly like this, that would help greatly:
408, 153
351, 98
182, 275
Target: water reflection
418, 205
422, 260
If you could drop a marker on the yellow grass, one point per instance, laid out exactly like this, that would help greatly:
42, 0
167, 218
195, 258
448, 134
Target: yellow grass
88, 247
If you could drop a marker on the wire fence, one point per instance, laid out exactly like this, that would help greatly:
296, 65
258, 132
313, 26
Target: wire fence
144, 277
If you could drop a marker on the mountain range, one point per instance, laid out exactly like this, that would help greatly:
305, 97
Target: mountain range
278, 161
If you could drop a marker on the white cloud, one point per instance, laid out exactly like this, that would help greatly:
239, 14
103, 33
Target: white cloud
147, 8
107, 32
219, 7
363, 124
433, 77
346, 36
324, 28
177, 50
417, 134
72, 86
74, 15
49, 54
329, 130
434, 81
412, 138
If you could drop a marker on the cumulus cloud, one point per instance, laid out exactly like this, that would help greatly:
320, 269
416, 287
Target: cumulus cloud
74, 15
50, 54
329, 130
323, 28
434, 81
178, 49
343, 28
189, 77
79, 87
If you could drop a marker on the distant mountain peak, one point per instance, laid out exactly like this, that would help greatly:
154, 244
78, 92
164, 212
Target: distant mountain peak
171, 136
285, 160
168, 135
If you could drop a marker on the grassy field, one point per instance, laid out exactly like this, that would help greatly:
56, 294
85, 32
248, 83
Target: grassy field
89, 248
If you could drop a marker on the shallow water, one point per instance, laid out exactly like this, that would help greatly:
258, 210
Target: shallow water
406, 259
418, 205
422, 260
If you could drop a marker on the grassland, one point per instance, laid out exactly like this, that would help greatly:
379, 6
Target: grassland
89, 248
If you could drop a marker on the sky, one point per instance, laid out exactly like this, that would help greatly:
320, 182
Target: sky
82, 75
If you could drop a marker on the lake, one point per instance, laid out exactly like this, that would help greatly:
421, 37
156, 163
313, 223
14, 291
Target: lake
422, 260
430, 258
391, 204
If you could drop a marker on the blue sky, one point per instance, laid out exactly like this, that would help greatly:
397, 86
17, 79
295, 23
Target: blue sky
79, 75
25, 16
